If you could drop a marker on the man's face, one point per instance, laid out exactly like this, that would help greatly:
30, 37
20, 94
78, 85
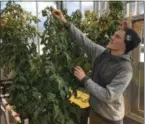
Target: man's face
117, 41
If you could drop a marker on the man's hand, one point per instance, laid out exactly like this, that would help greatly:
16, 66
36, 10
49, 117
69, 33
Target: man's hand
59, 15
79, 73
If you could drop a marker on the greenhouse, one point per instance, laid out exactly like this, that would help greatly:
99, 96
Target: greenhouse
71, 62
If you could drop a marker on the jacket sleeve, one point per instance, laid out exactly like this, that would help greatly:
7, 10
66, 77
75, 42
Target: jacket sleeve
113, 90
89, 47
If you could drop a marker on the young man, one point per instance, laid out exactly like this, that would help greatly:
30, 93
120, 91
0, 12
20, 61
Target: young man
111, 74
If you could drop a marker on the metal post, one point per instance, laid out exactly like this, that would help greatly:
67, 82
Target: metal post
59, 5
37, 38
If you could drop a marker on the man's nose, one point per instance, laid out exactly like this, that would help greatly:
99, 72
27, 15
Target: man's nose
112, 38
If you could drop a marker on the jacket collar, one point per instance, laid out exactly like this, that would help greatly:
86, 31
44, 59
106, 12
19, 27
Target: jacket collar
124, 56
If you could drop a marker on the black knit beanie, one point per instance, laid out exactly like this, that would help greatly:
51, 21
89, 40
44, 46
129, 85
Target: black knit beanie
132, 39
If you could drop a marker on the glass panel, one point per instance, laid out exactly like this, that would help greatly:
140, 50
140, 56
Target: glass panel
29, 6
133, 8
3, 5
41, 6
96, 3
126, 10
72, 7
140, 8
101, 5
87, 6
